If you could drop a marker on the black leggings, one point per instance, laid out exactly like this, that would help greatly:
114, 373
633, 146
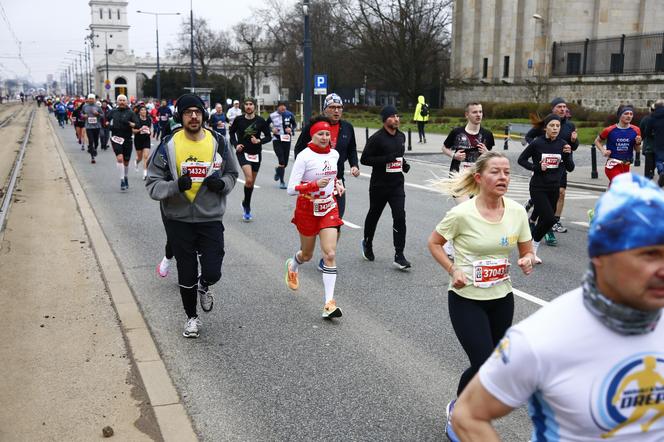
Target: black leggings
649, 166
420, 130
479, 326
396, 198
93, 141
282, 150
544, 202
191, 243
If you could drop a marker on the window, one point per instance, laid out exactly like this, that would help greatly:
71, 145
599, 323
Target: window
266, 89
101, 14
617, 63
109, 13
659, 62
506, 66
118, 14
573, 63
485, 68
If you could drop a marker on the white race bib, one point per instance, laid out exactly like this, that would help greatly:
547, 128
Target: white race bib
117, 140
551, 160
394, 166
197, 170
490, 272
163, 117
220, 124
92, 120
612, 162
323, 206
285, 138
252, 158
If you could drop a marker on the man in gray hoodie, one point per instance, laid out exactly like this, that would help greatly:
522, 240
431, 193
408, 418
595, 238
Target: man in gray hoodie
190, 173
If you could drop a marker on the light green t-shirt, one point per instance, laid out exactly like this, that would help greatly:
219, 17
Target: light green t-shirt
477, 240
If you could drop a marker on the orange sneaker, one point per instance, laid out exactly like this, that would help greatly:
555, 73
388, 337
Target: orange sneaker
331, 310
291, 278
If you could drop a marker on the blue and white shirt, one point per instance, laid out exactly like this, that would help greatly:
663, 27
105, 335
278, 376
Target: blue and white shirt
281, 121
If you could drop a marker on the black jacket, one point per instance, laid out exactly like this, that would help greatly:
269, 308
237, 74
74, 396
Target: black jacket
346, 145
545, 179
383, 148
656, 132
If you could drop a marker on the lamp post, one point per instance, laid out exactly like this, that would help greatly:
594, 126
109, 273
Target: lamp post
80, 55
543, 53
156, 21
307, 63
191, 43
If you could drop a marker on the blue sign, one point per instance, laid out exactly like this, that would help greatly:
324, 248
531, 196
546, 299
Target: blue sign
530, 63
320, 84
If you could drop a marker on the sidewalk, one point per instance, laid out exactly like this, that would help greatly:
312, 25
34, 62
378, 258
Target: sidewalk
66, 369
580, 178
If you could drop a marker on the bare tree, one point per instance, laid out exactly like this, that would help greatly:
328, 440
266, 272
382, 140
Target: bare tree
252, 52
209, 45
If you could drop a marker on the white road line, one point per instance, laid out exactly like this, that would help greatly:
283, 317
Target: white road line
530, 298
351, 225
417, 186
581, 223
256, 186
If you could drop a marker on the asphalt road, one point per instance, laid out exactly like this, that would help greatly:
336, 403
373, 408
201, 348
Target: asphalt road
267, 367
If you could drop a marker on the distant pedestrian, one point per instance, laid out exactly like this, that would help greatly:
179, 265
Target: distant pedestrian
622, 140
421, 117
656, 132
233, 112
647, 145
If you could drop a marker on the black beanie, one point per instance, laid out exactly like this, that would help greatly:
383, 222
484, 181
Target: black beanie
189, 100
556, 101
549, 118
387, 112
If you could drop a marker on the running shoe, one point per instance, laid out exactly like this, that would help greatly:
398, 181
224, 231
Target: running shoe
401, 262
550, 239
320, 265
367, 251
122, 185
291, 278
283, 185
449, 431
205, 297
192, 328
162, 267
246, 214
538, 260
82, 147
276, 174
93, 161
559, 228
126, 181
331, 310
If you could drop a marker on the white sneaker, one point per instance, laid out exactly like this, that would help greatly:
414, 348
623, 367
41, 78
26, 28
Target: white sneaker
162, 268
192, 328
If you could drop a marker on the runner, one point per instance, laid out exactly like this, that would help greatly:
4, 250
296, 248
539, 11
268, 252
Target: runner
164, 114
190, 173
91, 114
243, 135
485, 230
233, 112
156, 128
142, 139
79, 123
621, 141
218, 120
590, 364
314, 180
464, 145
545, 157
60, 113
122, 121
384, 153
283, 128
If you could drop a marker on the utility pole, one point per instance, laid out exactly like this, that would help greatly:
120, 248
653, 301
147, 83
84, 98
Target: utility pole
308, 86
191, 47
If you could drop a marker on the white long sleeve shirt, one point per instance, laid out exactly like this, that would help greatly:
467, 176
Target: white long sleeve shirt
311, 166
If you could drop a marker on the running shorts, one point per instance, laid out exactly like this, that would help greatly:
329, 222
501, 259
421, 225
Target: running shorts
123, 149
308, 224
244, 160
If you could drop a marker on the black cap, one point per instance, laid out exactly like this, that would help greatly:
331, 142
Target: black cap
556, 101
189, 100
387, 112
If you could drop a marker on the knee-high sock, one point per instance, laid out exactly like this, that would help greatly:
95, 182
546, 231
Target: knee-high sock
329, 280
247, 197
295, 263
126, 171
120, 167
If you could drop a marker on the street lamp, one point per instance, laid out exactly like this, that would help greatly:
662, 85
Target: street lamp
307, 63
106, 35
80, 61
156, 20
543, 52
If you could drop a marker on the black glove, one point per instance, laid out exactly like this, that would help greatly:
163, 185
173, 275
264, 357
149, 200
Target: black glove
184, 182
214, 183
405, 167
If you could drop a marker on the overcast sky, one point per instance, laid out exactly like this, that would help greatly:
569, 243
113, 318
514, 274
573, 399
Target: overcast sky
48, 29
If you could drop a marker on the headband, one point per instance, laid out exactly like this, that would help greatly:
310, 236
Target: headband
318, 126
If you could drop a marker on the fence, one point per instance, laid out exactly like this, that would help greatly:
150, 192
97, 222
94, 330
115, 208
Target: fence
636, 54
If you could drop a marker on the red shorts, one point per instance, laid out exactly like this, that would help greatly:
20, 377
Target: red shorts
616, 170
309, 224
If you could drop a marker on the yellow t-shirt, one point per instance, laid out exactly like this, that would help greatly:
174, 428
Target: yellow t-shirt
194, 156
481, 246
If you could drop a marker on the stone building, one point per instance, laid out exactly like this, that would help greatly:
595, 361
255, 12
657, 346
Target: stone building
598, 53
113, 60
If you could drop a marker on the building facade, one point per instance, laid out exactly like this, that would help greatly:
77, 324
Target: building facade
598, 53
117, 70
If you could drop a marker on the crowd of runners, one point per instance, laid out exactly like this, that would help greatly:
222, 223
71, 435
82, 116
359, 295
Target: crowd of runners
572, 361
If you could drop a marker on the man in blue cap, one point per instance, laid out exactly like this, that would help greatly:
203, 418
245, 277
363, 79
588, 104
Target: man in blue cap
591, 363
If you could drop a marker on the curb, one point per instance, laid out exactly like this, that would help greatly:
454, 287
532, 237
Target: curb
172, 418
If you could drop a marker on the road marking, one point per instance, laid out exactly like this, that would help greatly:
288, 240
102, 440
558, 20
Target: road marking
530, 298
351, 225
581, 223
416, 186
256, 186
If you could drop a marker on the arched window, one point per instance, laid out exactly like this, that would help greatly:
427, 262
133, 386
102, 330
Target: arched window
109, 13
118, 14
120, 80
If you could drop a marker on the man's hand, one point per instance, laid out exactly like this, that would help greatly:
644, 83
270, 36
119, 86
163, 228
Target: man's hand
289, 130
184, 182
355, 171
606, 153
214, 182
405, 167
255, 140
573, 137
459, 155
482, 148
239, 148
543, 166
567, 148
275, 131
638, 139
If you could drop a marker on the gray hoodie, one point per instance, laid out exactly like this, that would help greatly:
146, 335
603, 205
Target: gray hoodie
162, 183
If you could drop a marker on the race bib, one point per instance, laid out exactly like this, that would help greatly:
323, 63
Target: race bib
394, 166
323, 206
465, 165
220, 124
117, 140
252, 158
612, 162
197, 170
285, 138
163, 117
490, 272
551, 160
92, 120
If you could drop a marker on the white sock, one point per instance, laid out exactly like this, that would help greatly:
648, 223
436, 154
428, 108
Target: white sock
121, 170
295, 262
329, 280
126, 171
145, 172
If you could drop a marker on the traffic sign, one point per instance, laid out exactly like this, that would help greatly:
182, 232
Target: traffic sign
320, 84
107, 84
